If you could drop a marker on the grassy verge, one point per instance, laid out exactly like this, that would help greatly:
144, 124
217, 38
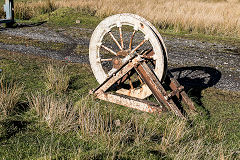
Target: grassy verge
66, 17
51, 123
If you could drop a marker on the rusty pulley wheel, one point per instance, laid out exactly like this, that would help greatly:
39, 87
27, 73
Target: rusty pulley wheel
118, 36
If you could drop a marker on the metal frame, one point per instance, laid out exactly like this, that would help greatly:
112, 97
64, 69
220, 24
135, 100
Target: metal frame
9, 10
167, 101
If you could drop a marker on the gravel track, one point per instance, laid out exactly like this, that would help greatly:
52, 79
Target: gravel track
193, 63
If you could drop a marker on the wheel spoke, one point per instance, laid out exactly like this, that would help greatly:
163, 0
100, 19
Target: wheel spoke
108, 49
144, 54
104, 60
179, 74
130, 43
114, 39
138, 46
189, 73
121, 36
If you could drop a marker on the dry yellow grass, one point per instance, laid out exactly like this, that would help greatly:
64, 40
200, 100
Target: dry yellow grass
57, 113
9, 96
57, 78
221, 17
211, 17
28, 9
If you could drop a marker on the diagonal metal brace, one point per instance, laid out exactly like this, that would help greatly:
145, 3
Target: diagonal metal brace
118, 74
157, 89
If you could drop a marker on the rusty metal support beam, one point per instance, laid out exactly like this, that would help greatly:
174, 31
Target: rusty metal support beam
157, 89
117, 75
131, 102
174, 85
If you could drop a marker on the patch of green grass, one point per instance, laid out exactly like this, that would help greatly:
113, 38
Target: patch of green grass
203, 38
81, 50
35, 142
29, 70
65, 17
26, 135
55, 46
224, 107
24, 70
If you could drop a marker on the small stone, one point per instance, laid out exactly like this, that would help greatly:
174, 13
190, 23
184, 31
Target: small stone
117, 123
225, 63
78, 21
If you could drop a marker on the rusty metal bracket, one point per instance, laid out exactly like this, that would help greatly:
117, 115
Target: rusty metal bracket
174, 85
166, 100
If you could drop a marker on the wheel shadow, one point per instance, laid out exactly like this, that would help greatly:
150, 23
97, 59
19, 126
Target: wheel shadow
195, 79
23, 25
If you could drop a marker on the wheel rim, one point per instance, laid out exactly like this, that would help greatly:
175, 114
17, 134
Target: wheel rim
111, 43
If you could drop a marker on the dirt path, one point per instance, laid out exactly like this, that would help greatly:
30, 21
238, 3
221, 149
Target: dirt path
194, 63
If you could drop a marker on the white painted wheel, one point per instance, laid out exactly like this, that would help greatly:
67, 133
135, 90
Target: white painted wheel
117, 36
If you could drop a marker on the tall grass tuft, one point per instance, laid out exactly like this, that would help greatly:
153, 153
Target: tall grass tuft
10, 94
175, 130
61, 115
57, 79
57, 113
28, 9
196, 149
23, 11
91, 121
48, 7
2, 14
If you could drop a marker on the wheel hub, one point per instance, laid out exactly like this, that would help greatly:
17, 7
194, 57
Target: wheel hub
117, 62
